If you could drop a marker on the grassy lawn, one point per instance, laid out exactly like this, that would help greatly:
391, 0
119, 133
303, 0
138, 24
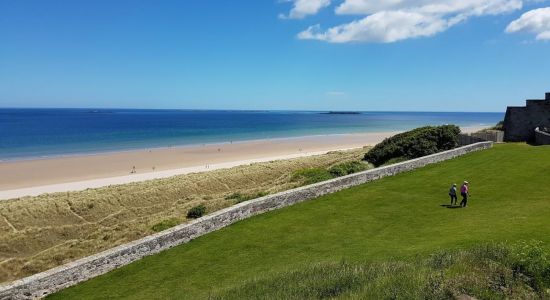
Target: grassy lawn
399, 216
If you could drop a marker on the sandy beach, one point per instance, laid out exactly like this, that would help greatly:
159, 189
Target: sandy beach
72, 173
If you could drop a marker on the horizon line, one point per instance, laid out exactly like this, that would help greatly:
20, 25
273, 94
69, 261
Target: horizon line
251, 110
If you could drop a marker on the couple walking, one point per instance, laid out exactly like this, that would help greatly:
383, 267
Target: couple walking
464, 192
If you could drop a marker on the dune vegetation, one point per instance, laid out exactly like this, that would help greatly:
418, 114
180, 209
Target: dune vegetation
414, 143
378, 240
38, 233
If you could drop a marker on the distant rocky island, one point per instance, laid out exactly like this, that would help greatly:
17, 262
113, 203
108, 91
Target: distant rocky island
341, 113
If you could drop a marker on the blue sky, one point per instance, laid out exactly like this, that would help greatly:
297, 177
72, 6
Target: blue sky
270, 54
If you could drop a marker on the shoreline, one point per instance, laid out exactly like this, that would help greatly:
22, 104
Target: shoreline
182, 146
465, 129
79, 172
125, 179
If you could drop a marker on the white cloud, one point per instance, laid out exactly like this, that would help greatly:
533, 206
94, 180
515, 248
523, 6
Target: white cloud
536, 21
384, 27
440, 7
303, 8
389, 21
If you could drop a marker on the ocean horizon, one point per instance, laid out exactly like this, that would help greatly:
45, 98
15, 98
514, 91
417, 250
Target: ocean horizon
27, 133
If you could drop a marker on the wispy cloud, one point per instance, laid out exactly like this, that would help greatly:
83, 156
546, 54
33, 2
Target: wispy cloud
384, 27
536, 21
387, 21
302, 8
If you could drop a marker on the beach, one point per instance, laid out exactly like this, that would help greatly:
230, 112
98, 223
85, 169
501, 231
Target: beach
72, 173
39, 233
93, 199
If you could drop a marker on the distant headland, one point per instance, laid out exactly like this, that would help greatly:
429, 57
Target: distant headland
341, 113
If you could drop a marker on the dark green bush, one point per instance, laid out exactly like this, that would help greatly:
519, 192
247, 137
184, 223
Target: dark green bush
196, 212
415, 143
347, 168
165, 224
312, 175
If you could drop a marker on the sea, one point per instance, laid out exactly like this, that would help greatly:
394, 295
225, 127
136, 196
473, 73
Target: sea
37, 133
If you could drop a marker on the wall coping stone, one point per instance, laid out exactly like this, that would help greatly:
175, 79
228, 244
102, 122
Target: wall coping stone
537, 130
41, 284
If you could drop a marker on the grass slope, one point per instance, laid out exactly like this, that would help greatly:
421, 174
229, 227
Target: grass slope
39, 233
491, 271
399, 216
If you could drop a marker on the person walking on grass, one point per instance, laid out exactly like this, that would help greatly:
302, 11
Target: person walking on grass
452, 193
464, 192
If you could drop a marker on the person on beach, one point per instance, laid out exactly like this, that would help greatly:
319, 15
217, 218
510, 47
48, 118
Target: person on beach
464, 192
452, 193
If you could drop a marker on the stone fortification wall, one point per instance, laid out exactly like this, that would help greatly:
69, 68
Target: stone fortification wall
542, 137
496, 136
520, 122
53, 280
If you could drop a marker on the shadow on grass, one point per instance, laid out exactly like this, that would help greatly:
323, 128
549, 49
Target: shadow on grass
450, 206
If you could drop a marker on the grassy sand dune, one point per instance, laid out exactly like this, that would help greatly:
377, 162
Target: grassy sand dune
38, 233
396, 217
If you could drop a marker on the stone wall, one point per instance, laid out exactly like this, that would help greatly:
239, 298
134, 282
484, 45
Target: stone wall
520, 122
496, 136
541, 137
53, 280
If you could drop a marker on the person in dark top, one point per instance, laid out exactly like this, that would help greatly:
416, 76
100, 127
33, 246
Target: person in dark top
452, 193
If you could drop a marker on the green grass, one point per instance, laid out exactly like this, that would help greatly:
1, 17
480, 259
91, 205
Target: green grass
311, 175
165, 224
492, 271
395, 217
314, 175
238, 197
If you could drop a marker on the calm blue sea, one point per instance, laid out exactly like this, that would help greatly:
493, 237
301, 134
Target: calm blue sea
29, 133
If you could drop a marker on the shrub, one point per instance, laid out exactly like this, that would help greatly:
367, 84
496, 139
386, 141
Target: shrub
165, 224
347, 168
311, 175
196, 212
415, 143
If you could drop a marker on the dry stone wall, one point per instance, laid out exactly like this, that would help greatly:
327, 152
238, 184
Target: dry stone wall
53, 280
